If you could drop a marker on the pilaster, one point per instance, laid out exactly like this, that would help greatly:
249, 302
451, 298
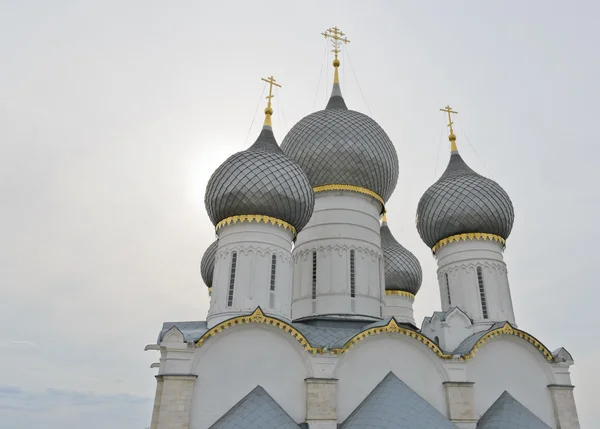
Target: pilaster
175, 401
461, 404
563, 403
321, 403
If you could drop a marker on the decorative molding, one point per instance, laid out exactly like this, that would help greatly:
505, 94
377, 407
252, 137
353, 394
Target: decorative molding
258, 219
471, 266
392, 327
468, 236
362, 251
507, 329
265, 250
258, 317
401, 293
351, 188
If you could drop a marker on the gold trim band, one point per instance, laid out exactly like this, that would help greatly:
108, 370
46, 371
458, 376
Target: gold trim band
256, 218
468, 236
258, 317
401, 293
351, 188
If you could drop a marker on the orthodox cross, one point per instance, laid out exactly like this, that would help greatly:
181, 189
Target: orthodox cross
337, 38
271, 81
449, 110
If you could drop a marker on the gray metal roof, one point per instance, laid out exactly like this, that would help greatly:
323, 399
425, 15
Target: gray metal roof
261, 181
468, 343
394, 405
462, 201
207, 265
508, 413
257, 410
330, 334
340, 146
402, 268
192, 331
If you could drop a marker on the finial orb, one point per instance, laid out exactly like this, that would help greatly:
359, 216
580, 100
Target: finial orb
268, 111
336, 63
452, 137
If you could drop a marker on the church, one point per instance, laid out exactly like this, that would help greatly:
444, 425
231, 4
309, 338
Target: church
311, 319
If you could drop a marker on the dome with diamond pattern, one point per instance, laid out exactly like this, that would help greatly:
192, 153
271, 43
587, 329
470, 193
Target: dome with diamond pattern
260, 181
462, 201
337, 146
402, 269
207, 265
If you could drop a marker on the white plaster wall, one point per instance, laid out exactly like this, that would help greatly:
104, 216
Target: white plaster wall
460, 261
342, 221
400, 307
233, 363
255, 243
511, 364
366, 364
451, 332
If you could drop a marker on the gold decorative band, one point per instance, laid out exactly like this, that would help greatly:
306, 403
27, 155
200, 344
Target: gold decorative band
257, 219
349, 188
209, 291
401, 293
468, 236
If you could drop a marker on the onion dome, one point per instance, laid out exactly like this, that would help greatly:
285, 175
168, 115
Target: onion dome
402, 269
463, 202
207, 265
343, 148
260, 181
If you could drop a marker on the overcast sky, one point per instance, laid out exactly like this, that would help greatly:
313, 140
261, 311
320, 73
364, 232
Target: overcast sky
114, 114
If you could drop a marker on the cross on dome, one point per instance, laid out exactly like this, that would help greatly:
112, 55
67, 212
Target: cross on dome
268, 110
451, 137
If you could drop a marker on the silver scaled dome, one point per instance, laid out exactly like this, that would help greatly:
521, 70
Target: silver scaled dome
462, 201
207, 265
337, 146
260, 181
402, 269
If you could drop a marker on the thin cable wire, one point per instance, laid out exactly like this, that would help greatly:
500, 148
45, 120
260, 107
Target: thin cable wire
280, 108
476, 154
255, 113
358, 84
437, 159
320, 75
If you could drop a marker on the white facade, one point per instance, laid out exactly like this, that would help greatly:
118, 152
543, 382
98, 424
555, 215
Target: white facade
472, 276
343, 223
323, 389
399, 306
253, 267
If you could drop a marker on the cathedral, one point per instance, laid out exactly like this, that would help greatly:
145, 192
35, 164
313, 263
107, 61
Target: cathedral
311, 319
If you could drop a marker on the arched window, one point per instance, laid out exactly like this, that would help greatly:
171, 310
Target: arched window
314, 275
352, 275
448, 290
484, 309
436, 340
231, 279
273, 267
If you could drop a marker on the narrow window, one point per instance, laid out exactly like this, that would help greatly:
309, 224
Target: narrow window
273, 267
448, 289
314, 275
484, 309
231, 279
437, 340
352, 277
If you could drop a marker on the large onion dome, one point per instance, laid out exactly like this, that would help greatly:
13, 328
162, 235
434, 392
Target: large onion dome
337, 146
462, 201
260, 181
207, 264
402, 269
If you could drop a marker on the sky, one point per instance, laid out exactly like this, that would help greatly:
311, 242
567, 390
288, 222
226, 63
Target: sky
113, 116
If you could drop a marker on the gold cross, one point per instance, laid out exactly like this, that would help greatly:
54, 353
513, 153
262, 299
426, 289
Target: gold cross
271, 81
337, 38
449, 110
